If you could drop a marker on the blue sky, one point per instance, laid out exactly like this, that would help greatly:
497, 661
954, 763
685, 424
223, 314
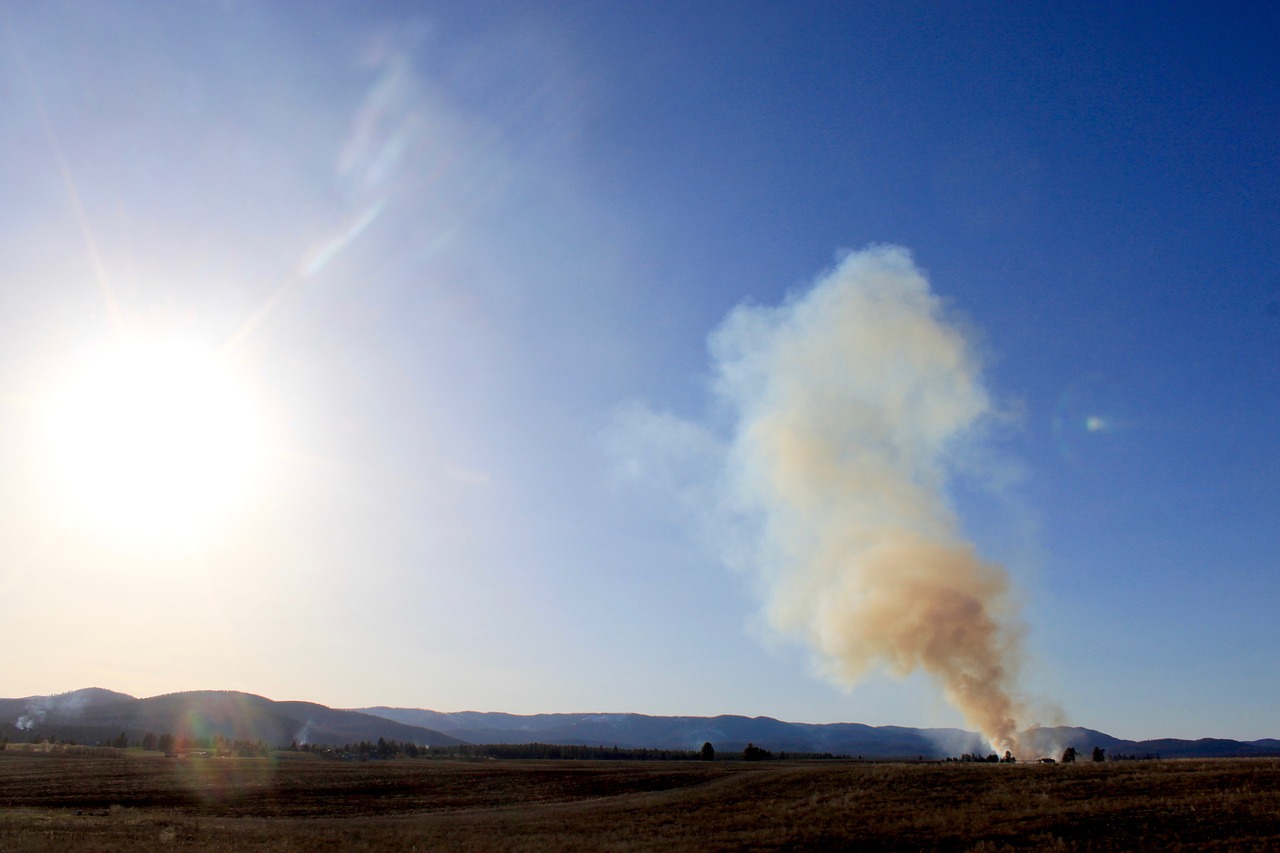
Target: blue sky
443, 246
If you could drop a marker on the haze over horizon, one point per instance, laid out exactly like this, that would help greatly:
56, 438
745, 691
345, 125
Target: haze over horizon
456, 356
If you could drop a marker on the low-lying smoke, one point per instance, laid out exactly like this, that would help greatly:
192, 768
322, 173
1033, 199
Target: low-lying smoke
39, 707
849, 404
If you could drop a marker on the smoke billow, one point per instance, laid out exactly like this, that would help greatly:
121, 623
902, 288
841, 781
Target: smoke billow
850, 404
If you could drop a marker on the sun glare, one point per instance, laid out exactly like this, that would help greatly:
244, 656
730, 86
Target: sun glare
152, 443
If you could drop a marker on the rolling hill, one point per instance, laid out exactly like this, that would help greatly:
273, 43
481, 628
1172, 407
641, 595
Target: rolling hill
95, 715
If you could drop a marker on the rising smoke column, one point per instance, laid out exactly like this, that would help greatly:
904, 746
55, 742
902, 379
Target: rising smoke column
850, 402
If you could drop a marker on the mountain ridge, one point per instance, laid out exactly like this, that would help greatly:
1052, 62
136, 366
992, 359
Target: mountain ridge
99, 715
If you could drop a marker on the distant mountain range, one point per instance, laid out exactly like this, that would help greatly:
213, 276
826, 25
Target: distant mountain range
95, 715
733, 733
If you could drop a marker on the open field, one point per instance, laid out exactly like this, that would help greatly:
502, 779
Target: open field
53, 802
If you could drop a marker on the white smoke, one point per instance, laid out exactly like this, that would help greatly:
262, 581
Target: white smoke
850, 404
38, 708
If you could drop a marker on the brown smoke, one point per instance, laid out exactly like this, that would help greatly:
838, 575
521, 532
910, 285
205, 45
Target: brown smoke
852, 402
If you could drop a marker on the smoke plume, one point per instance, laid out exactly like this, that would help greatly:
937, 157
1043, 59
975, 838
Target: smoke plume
850, 404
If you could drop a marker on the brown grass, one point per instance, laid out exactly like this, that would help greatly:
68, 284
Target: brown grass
53, 802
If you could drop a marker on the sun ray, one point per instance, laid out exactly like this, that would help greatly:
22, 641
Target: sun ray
69, 185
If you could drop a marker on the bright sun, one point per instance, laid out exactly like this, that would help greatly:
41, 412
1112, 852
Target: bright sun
152, 442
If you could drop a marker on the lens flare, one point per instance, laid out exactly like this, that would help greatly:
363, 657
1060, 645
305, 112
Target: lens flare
1088, 417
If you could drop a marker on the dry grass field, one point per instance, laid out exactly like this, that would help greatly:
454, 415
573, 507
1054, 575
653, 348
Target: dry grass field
68, 803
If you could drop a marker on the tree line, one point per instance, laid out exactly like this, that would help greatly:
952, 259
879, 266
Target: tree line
1069, 756
166, 743
383, 749
549, 751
